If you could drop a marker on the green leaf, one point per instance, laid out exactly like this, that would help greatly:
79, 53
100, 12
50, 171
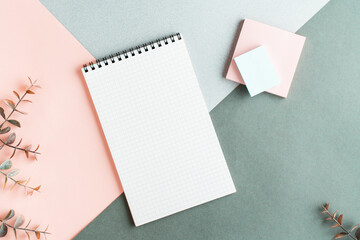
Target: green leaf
5, 130
10, 214
10, 103
13, 173
19, 221
2, 112
14, 122
3, 230
6, 164
11, 139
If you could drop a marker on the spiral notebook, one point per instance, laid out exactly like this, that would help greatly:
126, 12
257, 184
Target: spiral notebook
158, 129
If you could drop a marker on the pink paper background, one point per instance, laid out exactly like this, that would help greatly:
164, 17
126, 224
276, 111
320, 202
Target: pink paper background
75, 168
284, 49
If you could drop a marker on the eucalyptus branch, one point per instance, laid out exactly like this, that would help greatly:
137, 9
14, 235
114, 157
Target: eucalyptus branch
16, 147
16, 226
20, 182
6, 165
338, 223
24, 229
14, 106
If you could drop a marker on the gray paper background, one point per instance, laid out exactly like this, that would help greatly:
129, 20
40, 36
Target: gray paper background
286, 156
209, 27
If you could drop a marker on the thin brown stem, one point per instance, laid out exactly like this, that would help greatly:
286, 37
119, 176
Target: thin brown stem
18, 148
340, 225
18, 183
24, 229
16, 105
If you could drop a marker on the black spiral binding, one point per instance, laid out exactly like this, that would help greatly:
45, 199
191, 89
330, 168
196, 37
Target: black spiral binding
131, 52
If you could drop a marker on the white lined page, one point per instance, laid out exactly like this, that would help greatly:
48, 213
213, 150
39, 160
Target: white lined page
159, 132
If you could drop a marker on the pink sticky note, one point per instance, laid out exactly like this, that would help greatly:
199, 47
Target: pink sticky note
283, 47
75, 168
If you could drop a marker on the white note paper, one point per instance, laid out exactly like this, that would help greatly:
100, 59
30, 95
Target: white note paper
159, 131
257, 70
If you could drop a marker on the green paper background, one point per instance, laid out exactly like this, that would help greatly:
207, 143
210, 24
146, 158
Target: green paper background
286, 156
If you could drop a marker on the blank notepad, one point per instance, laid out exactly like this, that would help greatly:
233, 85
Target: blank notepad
158, 129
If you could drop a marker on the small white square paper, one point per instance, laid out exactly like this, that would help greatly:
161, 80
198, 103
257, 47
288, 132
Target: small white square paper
257, 70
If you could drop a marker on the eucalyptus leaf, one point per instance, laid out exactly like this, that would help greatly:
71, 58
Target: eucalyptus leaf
20, 112
16, 94
15, 122
2, 113
340, 219
354, 227
10, 214
3, 230
5, 130
6, 164
37, 234
357, 233
13, 173
10, 103
340, 235
19, 221
28, 222
15, 233
13, 154
1, 146
27, 234
11, 139
5, 181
